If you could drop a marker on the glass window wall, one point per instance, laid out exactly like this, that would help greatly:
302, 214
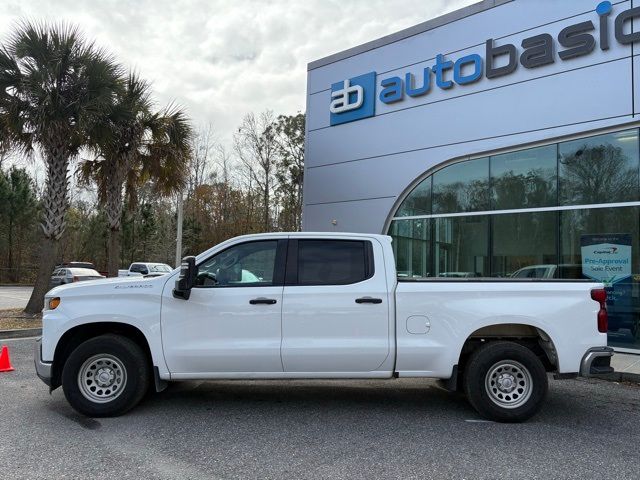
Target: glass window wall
602, 244
461, 248
524, 245
412, 248
601, 169
525, 179
418, 202
462, 187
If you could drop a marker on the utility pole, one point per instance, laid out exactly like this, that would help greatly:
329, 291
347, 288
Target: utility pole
179, 232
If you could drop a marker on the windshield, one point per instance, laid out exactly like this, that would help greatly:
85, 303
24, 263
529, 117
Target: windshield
160, 268
532, 272
84, 272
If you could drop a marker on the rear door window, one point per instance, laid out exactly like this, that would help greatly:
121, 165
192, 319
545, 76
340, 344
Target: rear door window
333, 262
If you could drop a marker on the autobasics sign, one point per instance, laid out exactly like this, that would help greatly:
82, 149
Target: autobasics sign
355, 98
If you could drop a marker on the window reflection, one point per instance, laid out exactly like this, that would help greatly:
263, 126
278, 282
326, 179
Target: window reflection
602, 234
524, 245
601, 169
412, 248
421, 248
525, 179
461, 246
462, 187
418, 202
400, 231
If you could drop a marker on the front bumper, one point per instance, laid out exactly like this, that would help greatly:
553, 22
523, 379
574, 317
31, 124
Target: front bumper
597, 361
43, 369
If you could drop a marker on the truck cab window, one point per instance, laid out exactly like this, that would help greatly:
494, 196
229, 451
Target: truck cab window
247, 264
332, 262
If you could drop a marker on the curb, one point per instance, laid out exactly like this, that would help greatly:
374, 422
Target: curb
20, 333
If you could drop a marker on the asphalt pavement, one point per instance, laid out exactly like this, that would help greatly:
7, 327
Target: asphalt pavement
315, 429
14, 297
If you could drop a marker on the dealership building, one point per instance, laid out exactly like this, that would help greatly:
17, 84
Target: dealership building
499, 140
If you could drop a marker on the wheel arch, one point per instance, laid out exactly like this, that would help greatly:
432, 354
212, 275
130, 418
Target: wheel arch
73, 337
526, 334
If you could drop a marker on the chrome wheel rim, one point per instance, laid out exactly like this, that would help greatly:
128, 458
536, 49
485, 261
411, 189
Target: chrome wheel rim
102, 378
508, 384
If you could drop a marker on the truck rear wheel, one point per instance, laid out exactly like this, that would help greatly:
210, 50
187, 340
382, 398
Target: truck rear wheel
505, 381
106, 376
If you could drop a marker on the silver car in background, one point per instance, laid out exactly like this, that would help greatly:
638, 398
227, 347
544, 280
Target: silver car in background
62, 276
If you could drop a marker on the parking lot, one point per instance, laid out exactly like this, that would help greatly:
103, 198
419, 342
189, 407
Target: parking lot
319, 429
14, 297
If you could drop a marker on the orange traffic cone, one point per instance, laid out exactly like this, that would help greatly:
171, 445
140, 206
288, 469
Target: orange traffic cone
5, 363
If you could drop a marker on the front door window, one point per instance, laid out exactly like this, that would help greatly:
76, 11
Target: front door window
248, 264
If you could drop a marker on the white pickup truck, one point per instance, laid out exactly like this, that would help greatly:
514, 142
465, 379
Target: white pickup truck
145, 269
315, 305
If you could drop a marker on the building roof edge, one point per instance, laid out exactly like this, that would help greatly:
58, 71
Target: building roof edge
408, 32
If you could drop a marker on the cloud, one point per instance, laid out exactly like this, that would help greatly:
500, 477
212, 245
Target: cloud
221, 59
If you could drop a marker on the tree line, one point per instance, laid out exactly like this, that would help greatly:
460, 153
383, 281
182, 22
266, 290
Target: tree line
94, 125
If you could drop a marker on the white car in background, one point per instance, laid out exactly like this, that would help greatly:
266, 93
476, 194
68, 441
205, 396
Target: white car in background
145, 269
570, 271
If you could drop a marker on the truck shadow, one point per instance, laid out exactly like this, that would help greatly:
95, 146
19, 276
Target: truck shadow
406, 397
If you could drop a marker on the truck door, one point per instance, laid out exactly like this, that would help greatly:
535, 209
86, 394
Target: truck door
232, 320
335, 315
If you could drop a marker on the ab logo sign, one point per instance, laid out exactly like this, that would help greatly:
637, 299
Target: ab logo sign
355, 98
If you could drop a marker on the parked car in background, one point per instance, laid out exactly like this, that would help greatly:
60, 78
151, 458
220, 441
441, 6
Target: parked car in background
570, 271
62, 276
76, 265
145, 269
81, 265
459, 275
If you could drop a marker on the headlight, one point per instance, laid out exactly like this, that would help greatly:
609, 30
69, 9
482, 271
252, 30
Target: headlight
52, 303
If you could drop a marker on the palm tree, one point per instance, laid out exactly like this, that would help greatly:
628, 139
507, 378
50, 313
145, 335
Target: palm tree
135, 146
54, 86
117, 144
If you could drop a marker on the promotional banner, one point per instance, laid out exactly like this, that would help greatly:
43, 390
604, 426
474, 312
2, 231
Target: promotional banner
607, 258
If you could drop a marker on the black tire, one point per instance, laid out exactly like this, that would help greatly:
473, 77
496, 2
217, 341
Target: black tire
505, 381
121, 360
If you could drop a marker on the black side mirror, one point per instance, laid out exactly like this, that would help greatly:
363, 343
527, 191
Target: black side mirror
187, 278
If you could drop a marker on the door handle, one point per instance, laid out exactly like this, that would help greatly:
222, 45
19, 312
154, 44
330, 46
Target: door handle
262, 301
368, 300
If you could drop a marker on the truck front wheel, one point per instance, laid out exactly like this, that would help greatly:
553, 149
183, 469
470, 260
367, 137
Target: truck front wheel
105, 376
505, 381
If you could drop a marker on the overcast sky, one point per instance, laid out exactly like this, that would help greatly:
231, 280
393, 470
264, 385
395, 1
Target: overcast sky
223, 58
